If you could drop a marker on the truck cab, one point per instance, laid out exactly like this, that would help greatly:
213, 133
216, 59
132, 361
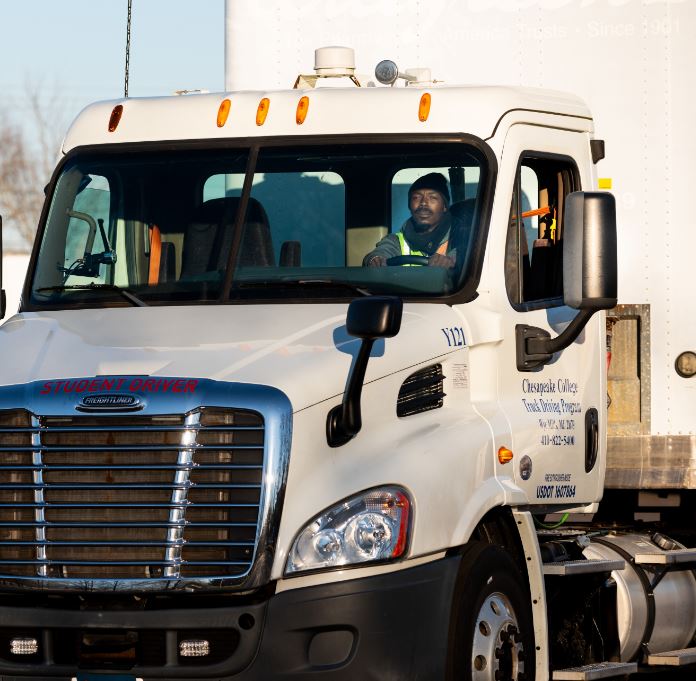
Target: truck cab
186, 491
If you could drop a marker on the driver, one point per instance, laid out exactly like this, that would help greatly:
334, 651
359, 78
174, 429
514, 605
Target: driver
426, 232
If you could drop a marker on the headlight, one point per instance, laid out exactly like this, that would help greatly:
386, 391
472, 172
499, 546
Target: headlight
371, 526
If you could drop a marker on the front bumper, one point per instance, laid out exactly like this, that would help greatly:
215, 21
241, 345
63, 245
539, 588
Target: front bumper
390, 626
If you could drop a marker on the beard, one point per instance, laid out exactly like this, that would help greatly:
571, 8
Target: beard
422, 226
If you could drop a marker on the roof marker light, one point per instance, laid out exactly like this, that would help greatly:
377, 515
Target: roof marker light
302, 109
262, 111
424, 107
223, 112
115, 117
504, 455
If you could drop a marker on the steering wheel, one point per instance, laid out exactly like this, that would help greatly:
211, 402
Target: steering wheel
407, 260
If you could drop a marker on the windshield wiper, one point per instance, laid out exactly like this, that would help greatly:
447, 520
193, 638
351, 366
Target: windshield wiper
304, 283
128, 295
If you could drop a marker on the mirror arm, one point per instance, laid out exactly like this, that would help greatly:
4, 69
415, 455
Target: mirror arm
535, 347
344, 421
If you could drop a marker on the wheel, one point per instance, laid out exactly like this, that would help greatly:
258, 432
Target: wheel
492, 624
398, 260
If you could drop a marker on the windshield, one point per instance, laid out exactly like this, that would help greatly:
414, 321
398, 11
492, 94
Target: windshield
316, 221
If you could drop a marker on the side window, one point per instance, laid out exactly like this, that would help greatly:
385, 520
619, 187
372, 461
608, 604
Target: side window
534, 246
89, 224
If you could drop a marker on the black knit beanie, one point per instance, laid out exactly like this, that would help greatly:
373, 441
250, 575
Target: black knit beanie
434, 181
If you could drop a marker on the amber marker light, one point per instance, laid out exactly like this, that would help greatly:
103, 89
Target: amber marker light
302, 109
223, 112
262, 111
115, 117
504, 455
424, 107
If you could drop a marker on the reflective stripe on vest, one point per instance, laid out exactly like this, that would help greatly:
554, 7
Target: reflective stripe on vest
406, 248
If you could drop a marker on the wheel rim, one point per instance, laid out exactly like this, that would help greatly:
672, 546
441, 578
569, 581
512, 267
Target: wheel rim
498, 652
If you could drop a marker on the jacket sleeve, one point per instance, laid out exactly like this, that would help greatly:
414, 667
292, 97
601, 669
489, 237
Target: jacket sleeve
387, 247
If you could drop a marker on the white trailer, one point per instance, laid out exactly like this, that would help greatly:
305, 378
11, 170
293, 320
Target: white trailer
234, 449
630, 61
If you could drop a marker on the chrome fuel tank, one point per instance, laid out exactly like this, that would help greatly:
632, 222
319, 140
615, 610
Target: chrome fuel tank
659, 612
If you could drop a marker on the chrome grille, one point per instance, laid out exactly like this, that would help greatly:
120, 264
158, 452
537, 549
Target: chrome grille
130, 497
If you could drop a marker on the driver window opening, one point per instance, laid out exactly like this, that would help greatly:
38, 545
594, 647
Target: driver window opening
534, 246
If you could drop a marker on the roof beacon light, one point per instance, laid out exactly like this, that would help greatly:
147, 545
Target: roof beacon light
387, 73
330, 62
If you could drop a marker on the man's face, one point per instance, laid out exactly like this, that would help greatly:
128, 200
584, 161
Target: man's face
427, 207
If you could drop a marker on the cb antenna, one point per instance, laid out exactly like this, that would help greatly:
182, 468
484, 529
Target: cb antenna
128, 40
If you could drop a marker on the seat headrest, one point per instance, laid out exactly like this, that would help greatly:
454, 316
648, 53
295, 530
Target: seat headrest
225, 210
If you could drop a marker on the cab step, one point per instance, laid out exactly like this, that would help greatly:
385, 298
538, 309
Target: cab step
569, 568
675, 557
600, 670
673, 658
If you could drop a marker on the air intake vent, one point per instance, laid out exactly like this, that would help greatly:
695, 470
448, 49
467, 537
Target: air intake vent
421, 392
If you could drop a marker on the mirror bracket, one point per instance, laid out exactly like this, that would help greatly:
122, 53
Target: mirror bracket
535, 347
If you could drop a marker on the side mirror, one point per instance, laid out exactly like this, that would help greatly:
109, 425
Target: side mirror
589, 251
369, 319
3, 298
374, 317
589, 275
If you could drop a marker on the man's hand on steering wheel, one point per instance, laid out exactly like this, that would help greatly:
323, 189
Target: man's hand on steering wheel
437, 260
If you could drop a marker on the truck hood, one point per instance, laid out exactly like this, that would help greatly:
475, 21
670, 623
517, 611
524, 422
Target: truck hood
303, 350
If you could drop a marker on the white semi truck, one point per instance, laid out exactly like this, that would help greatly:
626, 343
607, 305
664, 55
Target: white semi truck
231, 450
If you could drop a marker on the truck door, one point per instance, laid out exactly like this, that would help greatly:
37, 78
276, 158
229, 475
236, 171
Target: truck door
553, 411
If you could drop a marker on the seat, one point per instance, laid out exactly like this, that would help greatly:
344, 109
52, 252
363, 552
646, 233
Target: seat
208, 237
462, 214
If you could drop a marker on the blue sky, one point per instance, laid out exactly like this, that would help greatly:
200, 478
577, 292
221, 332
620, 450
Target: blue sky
76, 48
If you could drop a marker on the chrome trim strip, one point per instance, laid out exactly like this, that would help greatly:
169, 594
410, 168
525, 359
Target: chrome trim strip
39, 513
175, 534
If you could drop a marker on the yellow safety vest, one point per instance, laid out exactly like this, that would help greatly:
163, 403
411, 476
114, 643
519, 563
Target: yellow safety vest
407, 250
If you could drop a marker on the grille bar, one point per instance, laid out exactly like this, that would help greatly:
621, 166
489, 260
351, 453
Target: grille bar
139, 485
122, 524
159, 563
125, 448
183, 504
135, 467
128, 543
125, 429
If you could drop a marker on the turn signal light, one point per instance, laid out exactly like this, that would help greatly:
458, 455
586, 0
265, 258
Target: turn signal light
424, 108
223, 112
302, 109
504, 455
115, 117
262, 111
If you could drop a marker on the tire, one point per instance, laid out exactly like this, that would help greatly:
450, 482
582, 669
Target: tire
492, 634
